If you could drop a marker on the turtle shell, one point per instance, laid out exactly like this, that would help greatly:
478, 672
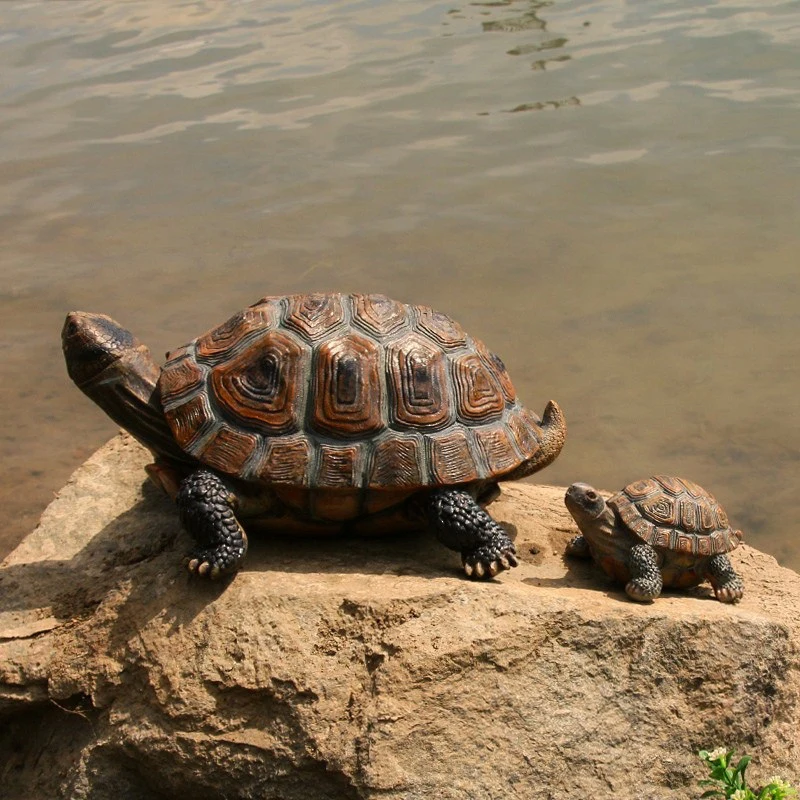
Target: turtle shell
335, 391
677, 515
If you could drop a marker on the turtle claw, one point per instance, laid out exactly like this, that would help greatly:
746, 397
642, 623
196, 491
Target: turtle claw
486, 568
637, 593
729, 594
728, 586
203, 566
507, 561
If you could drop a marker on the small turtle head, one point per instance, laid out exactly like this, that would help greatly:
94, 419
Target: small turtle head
92, 342
584, 502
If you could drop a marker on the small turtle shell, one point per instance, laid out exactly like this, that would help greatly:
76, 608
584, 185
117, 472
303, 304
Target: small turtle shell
675, 514
335, 391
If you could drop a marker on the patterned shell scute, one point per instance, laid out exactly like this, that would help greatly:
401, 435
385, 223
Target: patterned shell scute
313, 316
348, 400
439, 327
378, 316
286, 461
340, 392
417, 377
232, 336
478, 393
451, 460
675, 514
498, 370
259, 386
397, 462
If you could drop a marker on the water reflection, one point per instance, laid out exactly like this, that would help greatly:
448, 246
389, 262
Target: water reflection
629, 250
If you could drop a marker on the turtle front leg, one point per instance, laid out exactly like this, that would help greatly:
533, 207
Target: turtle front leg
646, 582
728, 586
578, 547
462, 525
206, 508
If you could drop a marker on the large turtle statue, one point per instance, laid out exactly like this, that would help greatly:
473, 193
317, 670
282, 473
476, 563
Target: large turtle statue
660, 531
311, 412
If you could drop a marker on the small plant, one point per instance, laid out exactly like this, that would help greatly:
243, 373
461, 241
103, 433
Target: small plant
727, 780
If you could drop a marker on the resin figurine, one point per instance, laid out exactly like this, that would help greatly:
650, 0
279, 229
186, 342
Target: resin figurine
312, 412
660, 531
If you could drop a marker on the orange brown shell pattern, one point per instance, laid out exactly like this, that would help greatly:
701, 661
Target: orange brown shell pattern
677, 515
346, 391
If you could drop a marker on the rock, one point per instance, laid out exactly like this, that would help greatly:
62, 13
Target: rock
365, 668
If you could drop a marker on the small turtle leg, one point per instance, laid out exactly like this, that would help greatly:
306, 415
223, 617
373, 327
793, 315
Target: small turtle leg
728, 586
578, 547
206, 510
645, 583
462, 525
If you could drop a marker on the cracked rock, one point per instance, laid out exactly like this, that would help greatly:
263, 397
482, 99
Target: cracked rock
367, 668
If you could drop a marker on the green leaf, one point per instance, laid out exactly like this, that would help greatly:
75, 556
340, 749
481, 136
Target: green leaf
743, 762
718, 772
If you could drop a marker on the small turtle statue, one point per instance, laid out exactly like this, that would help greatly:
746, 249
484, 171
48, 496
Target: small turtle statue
320, 411
660, 531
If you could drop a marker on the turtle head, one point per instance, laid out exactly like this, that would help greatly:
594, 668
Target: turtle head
590, 510
92, 343
113, 368
585, 501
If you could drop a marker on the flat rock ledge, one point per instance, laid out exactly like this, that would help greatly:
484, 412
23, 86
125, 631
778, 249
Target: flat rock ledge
369, 668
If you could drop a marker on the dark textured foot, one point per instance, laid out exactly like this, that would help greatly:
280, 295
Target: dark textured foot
206, 509
645, 583
462, 525
728, 586
578, 548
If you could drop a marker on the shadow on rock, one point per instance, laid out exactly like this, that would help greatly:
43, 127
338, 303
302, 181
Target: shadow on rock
144, 550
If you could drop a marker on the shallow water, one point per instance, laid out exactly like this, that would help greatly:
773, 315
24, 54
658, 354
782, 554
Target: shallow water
605, 192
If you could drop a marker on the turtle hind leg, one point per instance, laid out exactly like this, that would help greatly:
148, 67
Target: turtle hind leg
206, 508
728, 586
462, 525
646, 582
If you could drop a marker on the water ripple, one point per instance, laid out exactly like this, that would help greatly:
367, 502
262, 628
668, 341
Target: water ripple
605, 191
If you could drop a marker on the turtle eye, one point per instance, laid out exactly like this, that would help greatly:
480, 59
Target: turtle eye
591, 495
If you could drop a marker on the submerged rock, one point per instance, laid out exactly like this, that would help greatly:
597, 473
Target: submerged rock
365, 668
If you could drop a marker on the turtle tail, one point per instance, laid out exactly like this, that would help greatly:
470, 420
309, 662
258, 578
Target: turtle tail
551, 437
554, 434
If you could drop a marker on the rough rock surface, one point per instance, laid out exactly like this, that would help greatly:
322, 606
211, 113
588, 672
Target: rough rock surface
366, 668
